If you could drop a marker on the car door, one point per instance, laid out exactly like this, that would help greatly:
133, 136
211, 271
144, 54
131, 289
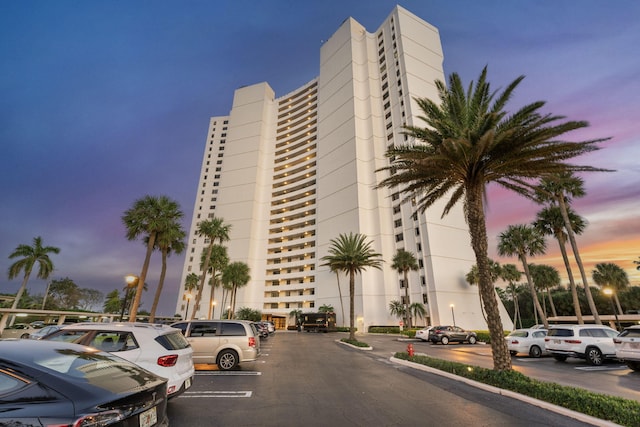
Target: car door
204, 339
458, 334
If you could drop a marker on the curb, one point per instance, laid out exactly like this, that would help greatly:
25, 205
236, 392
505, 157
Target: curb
545, 405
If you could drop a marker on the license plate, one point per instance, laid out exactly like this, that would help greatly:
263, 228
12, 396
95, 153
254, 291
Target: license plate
557, 341
149, 417
187, 383
634, 345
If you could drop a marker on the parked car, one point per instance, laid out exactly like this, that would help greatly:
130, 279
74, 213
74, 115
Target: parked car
447, 334
527, 341
53, 383
270, 327
226, 343
627, 346
591, 342
263, 330
18, 330
423, 334
44, 331
158, 348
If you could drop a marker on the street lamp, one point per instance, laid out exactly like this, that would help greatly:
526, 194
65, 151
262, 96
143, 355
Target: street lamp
453, 315
609, 292
131, 281
188, 296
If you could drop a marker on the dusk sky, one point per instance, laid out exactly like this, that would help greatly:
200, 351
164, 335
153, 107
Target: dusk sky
104, 102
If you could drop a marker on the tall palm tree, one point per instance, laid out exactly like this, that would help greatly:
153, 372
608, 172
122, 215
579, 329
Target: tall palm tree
237, 275
549, 221
511, 274
190, 283
218, 259
473, 278
28, 257
339, 292
470, 140
168, 241
612, 275
352, 254
560, 188
213, 229
544, 278
148, 217
403, 262
523, 240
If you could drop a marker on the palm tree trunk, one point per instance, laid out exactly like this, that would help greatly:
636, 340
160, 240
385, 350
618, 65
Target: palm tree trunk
572, 283
534, 294
518, 316
156, 298
615, 297
576, 254
551, 304
340, 293
352, 308
406, 296
212, 294
143, 277
205, 267
478, 233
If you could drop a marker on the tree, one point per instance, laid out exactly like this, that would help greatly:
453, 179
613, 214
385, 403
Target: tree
470, 140
637, 263
89, 298
190, 283
544, 278
246, 313
212, 229
149, 216
351, 254
218, 259
64, 294
235, 274
339, 293
418, 311
296, 314
560, 188
523, 240
511, 274
112, 303
611, 275
28, 257
550, 222
397, 308
168, 241
403, 262
324, 308
473, 278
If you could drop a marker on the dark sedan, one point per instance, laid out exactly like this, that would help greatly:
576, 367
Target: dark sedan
447, 334
45, 383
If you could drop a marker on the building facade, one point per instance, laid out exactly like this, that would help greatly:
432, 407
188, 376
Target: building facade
290, 173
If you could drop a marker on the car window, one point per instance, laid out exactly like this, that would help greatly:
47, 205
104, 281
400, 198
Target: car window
10, 382
559, 332
173, 341
610, 333
182, 326
631, 333
232, 329
203, 329
539, 334
113, 341
68, 336
519, 334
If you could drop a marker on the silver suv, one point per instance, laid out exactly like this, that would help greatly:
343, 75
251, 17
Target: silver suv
628, 347
226, 343
591, 342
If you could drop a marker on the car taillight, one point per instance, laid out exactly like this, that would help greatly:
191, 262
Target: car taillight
515, 342
168, 361
616, 341
573, 341
252, 341
94, 420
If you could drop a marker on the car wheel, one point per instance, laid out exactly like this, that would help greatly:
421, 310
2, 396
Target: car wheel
513, 353
594, 356
444, 340
535, 351
24, 336
560, 357
633, 365
227, 360
472, 340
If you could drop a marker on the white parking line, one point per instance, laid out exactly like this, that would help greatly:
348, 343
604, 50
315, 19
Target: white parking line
229, 373
212, 394
602, 368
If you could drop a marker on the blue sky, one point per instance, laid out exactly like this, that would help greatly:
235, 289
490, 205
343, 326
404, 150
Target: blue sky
103, 102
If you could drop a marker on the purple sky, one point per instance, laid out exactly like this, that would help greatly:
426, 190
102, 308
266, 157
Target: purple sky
103, 102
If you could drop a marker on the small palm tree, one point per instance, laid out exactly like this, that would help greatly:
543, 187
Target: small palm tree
469, 141
296, 314
29, 256
418, 311
190, 283
545, 277
473, 278
149, 216
511, 274
235, 275
352, 254
168, 241
218, 260
213, 229
397, 308
324, 308
523, 240
612, 275
403, 262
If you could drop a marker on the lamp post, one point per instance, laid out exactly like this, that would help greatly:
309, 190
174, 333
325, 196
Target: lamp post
453, 315
188, 296
609, 293
131, 281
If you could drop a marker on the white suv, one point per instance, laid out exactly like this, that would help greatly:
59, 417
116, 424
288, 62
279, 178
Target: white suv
628, 347
591, 342
157, 348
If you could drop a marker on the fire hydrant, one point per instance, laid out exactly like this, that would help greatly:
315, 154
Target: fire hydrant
410, 349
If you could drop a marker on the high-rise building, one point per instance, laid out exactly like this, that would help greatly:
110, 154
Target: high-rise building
293, 172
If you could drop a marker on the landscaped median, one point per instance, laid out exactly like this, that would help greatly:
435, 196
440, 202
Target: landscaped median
585, 405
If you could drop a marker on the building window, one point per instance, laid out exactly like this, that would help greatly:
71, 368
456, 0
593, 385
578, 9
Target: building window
399, 237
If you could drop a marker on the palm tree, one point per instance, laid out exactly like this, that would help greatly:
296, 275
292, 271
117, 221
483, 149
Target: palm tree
352, 254
637, 263
544, 278
511, 274
168, 241
611, 275
148, 217
549, 221
190, 283
473, 278
296, 314
418, 310
324, 308
213, 229
30, 256
397, 308
469, 141
218, 259
403, 262
236, 275
339, 292
560, 188
523, 240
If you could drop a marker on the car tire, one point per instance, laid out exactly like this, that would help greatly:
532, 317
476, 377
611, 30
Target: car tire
513, 353
472, 340
444, 340
635, 366
535, 351
560, 357
227, 360
594, 356
24, 336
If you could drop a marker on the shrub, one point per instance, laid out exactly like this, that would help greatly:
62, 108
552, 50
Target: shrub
355, 342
